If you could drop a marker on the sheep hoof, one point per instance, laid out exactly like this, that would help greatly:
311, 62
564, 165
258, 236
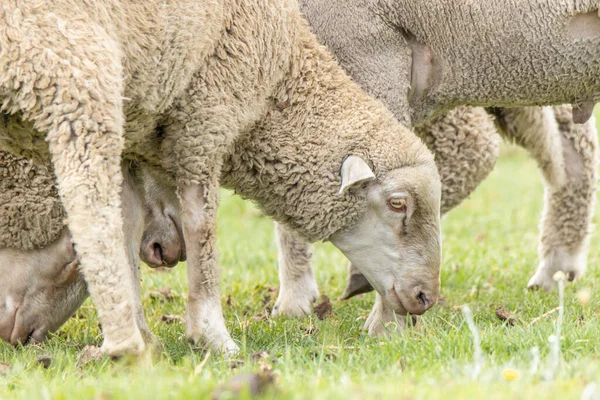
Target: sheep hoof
296, 297
153, 345
573, 265
230, 349
131, 346
541, 282
217, 340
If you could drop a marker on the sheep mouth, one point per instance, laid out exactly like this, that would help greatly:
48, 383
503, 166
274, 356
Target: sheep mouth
395, 301
16, 336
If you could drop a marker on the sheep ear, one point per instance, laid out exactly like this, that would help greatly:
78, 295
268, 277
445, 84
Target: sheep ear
354, 170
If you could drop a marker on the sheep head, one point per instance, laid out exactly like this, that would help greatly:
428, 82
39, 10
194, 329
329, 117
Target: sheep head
396, 243
40, 290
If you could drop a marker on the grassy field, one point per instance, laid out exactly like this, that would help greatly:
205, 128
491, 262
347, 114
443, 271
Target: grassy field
490, 245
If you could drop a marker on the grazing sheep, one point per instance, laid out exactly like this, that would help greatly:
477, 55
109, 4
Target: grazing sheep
352, 31
462, 140
46, 287
289, 129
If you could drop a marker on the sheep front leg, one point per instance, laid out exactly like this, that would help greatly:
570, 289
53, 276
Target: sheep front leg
298, 288
87, 167
566, 154
132, 211
205, 314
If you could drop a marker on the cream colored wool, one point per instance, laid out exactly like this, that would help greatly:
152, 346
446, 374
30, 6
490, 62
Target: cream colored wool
465, 148
220, 76
32, 215
567, 157
373, 47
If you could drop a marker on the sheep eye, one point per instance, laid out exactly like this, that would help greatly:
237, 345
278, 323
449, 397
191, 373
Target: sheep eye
397, 204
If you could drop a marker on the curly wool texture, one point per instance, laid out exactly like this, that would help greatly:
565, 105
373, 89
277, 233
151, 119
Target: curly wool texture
32, 215
507, 58
289, 162
463, 153
465, 146
307, 112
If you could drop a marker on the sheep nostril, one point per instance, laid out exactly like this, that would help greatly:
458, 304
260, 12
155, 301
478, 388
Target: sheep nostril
423, 298
158, 252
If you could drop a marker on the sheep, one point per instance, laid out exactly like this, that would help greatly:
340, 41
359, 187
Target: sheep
46, 288
301, 288
353, 31
284, 127
350, 32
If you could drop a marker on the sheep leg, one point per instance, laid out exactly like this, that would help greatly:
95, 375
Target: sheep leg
75, 98
205, 314
81, 170
566, 154
133, 212
297, 286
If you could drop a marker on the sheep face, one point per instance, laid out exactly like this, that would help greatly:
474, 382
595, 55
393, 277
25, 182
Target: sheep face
40, 290
396, 243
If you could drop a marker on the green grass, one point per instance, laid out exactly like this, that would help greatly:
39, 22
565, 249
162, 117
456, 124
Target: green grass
490, 247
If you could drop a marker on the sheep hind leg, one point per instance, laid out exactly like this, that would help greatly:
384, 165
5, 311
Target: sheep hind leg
566, 154
298, 288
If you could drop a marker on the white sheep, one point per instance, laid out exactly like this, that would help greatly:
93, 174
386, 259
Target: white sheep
353, 32
289, 129
463, 140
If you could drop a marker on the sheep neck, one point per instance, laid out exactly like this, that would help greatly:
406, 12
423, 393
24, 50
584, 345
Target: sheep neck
289, 162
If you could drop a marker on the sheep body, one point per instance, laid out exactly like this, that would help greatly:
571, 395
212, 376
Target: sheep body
225, 80
463, 140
